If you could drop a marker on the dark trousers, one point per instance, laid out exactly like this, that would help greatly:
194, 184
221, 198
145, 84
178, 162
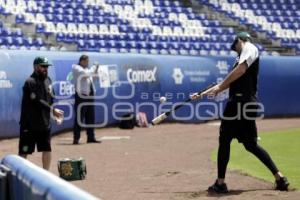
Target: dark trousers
251, 146
85, 115
246, 132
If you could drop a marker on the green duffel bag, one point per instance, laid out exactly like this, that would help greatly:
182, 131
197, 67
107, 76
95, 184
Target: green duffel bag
72, 169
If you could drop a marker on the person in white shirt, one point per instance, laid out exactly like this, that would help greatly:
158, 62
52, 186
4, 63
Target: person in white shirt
84, 93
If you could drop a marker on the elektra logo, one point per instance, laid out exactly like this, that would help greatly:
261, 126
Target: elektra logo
177, 75
140, 76
65, 88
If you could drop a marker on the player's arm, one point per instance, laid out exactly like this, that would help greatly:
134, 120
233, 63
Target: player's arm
55, 111
248, 55
32, 96
236, 73
85, 72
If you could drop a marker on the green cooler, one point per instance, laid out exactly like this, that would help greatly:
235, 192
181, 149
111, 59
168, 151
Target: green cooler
72, 169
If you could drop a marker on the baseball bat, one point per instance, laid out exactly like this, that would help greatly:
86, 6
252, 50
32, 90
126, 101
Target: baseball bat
164, 115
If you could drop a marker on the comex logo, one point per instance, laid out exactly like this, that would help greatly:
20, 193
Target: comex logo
177, 75
140, 76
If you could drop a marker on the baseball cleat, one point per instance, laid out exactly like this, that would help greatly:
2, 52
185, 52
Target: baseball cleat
282, 184
218, 188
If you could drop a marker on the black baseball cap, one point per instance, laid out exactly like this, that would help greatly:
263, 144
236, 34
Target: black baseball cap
41, 60
245, 36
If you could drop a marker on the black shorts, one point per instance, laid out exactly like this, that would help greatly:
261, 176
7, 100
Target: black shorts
28, 140
238, 123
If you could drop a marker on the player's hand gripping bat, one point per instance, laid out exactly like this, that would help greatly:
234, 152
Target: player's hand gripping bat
164, 115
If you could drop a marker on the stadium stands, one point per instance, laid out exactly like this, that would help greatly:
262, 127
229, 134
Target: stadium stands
144, 26
13, 38
278, 19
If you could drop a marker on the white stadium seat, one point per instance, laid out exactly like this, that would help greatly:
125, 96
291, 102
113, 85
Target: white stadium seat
61, 28
72, 28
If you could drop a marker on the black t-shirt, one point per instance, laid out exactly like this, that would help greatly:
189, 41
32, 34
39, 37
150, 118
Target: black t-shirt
245, 87
36, 103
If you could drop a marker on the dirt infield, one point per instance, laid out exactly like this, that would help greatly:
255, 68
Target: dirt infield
165, 162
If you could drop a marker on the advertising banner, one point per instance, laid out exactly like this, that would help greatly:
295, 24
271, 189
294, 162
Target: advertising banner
134, 83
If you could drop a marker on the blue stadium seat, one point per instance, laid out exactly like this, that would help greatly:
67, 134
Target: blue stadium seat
70, 38
60, 37
38, 42
17, 33
183, 39
20, 19
28, 42
152, 38
40, 28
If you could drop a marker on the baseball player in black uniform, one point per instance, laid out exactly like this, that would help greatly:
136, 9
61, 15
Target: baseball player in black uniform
35, 124
240, 124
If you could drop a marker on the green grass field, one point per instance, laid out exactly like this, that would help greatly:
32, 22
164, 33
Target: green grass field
284, 148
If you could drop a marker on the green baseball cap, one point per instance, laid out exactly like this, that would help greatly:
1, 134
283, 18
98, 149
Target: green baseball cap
40, 60
245, 36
